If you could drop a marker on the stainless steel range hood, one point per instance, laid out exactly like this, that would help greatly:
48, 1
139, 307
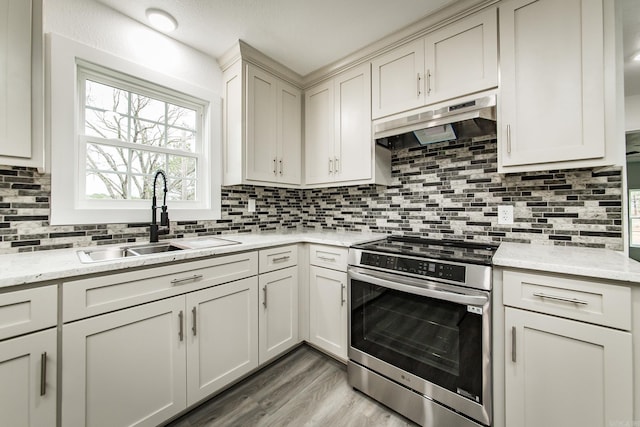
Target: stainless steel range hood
468, 119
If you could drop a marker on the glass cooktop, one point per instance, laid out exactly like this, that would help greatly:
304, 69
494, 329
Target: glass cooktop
450, 250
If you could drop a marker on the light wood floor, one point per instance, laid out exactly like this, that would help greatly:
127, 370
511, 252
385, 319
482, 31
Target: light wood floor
304, 388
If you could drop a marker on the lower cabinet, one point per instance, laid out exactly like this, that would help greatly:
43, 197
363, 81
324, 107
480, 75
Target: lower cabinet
561, 372
164, 356
328, 310
278, 312
28, 380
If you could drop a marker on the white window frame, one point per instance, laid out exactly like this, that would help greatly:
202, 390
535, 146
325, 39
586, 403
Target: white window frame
68, 61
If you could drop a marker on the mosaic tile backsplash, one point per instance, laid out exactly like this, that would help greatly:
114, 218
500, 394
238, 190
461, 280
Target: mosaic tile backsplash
445, 190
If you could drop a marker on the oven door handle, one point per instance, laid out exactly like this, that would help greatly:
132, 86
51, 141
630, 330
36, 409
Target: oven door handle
476, 300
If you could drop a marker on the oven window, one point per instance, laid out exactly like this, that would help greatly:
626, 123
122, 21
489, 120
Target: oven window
437, 340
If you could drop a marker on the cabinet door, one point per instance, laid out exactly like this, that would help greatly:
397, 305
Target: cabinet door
565, 373
462, 58
289, 128
397, 80
319, 133
262, 138
328, 310
125, 368
15, 78
552, 82
278, 312
223, 336
353, 143
28, 380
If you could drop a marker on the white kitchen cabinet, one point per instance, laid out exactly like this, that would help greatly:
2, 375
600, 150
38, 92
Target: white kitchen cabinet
21, 83
458, 59
566, 373
555, 65
112, 361
338, 145
222, 330
28, 380
567, 350
328, 310
278, 312
262, 128
164, 356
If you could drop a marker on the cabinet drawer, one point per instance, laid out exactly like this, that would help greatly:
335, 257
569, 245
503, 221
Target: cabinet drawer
569, 296
88, 297
277, 258
333, 257
26, 311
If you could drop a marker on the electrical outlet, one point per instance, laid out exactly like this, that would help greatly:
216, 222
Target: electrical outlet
252, 205
505, 215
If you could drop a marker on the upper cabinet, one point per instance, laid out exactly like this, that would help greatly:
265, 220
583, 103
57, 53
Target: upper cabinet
338, 143
555, 67
455, 60
262, 128
21, 83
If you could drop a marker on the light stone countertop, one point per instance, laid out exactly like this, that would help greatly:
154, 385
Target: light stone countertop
33, 267
590, 262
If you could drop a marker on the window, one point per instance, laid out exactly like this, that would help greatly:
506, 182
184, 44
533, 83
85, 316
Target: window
129, 133
634, 218
125, 129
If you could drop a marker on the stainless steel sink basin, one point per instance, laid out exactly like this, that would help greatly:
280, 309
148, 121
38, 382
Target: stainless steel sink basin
153, 249
110, 254
205, 242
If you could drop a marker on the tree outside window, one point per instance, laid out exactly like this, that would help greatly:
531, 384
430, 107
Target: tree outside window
634, 217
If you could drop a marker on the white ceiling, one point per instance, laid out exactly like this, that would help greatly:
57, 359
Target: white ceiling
304, 35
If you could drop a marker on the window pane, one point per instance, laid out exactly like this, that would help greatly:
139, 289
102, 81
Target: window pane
104, 185
106, 98
634, 203
147, 162
181, 117
182, 167
142, 188
181, 189
180, 139
147, 133
107, 158
147, 108
105, 124
634, 223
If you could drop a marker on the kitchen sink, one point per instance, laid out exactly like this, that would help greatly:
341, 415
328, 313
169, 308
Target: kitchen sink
110, 254
205, 242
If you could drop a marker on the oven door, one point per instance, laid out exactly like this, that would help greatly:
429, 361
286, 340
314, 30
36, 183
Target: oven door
431, 337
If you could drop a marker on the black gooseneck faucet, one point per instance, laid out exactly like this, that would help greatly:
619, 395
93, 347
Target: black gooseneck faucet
154, 229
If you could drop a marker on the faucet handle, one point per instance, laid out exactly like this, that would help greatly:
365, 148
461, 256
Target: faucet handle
164, 217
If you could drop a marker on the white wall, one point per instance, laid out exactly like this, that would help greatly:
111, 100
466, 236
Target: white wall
632, 112
101, 27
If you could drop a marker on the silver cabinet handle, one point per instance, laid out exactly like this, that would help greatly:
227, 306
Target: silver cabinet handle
336, 164
418, 85
264, 302
181, 321
428, 82
281, 168
513, 344
281, 259
326, 258
342, 300
559, 298
330, 166
195, 321
508, 139
43, 374
186, 279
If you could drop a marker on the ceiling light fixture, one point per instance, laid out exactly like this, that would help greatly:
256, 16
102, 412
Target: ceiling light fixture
161, 20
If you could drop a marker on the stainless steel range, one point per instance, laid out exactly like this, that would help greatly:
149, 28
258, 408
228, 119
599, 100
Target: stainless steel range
420, 328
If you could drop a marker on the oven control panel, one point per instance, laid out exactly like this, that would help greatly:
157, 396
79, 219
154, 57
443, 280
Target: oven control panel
419, 267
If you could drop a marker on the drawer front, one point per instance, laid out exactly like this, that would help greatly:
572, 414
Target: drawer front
26, 311
277, 258
569, 296
88, 297
333, 257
